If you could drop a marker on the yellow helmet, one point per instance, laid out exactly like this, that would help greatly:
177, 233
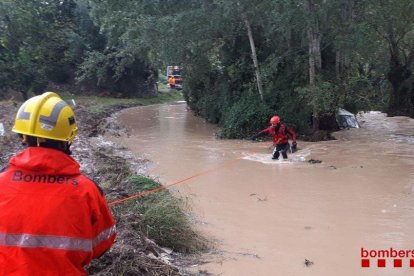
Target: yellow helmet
46, 116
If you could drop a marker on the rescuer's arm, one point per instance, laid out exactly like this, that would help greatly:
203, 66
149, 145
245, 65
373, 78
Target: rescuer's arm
103, 225
260, 133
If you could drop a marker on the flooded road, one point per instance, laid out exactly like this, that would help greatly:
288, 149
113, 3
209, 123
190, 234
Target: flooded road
287, 217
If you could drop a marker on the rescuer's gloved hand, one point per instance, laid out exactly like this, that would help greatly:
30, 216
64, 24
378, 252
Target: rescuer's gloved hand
294, 146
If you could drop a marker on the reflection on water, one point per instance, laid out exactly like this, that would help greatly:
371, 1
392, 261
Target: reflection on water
360, 195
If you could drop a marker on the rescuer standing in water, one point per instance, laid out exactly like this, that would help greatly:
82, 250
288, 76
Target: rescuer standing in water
280, 135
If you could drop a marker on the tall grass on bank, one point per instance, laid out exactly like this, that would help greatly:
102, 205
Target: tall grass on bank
160, 216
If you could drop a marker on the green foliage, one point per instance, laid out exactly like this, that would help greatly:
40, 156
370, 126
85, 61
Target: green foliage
128, 58
365, 93
143, 183
244, 118
39, 44
322, 97
120, 49
118, 72
393, 24
294, 110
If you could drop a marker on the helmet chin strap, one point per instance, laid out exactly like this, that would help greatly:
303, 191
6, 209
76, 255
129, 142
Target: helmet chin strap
40, 140
67, 150
24, 139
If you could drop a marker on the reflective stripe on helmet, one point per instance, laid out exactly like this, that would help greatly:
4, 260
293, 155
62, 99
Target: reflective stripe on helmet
50, 120
23, 115
53, 117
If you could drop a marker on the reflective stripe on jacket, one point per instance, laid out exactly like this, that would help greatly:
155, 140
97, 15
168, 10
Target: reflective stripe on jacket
279, 134
53, 220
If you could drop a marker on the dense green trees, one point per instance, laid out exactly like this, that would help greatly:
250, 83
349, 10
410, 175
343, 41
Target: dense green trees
41, 41
243, 60
313, 56
393, 24
27, 28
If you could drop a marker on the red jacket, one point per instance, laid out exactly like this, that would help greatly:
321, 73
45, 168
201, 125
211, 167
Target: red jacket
279, 135
53, 220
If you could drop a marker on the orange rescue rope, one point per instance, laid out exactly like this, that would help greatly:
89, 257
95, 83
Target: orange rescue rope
225, 164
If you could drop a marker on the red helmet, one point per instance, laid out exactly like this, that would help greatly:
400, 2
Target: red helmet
275, 120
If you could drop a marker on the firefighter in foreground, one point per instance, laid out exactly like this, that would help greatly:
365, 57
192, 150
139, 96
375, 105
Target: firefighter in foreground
53, 219
280, 135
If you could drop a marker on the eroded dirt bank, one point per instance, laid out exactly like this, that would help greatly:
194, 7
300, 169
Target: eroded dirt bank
286, 218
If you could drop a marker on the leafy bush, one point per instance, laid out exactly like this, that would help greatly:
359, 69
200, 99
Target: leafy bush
245, 117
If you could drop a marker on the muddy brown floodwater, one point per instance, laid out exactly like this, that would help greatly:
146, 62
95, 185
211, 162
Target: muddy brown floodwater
287, 217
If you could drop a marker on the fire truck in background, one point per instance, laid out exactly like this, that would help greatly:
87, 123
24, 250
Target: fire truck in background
174, 77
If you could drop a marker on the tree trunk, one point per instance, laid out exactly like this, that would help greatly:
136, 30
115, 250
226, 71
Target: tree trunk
315, 60
289, 39
402, 81
338, 65
342, 55
254, 56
